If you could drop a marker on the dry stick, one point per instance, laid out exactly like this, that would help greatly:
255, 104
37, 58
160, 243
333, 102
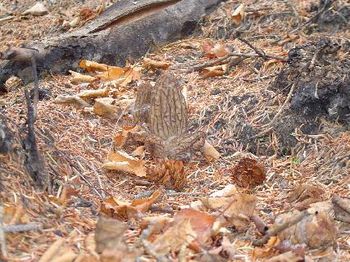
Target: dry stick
148, 246
85, 180
257, 51
279, 228
295, 12
259, 224
2, 234
221, 59
33, 161
22, 227
269, 125
342, 203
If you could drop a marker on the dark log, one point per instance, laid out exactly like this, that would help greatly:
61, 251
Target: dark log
126, 30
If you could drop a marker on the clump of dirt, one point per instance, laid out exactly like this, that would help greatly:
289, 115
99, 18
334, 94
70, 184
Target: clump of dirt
319, 72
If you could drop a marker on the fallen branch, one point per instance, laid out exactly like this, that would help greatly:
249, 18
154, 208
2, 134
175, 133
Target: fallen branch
2, 235
268, 127
22, 227
213, 62
33, 161
279, 228
106, 39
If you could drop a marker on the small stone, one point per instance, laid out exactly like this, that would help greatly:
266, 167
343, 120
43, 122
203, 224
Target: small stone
38, 9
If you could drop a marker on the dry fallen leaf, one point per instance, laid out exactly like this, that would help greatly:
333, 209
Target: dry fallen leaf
316, 230
179, 235
105, 107
78, 78
130, 74
112, 73
121, 161
238, 14
71, 100
287, 257
139, 151
58, 252
90, 94
267, 250
217, 50
201, 223
305, 194
110, 241
109, 234
121, 75
91, 66
213, 71
121, 137
236, 210
155, 225
116, 208
209, 152
38, 9
154, 64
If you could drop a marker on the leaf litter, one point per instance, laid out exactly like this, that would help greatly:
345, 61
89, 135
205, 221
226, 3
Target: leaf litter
293, 196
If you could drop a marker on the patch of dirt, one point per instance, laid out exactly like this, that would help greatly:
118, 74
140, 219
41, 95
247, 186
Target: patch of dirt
334, 19
320, 72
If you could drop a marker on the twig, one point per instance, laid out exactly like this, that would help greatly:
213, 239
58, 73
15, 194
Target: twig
22, 227
213, 62
257, 51
268, 126
295, 12
259, 224
344, 204
2, 235
33, 161
279, 228
85, 180
168, 193
289, 96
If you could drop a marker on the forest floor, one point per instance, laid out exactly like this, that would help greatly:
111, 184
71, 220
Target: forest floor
232, 102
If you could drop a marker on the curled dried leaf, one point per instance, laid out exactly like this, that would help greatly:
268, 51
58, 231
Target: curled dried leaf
121, 161
78, 78
316, 231
88, 94
209, 152
105, 107
154, 64
71, 100
116, 208
238, 14
91, 66
213, 71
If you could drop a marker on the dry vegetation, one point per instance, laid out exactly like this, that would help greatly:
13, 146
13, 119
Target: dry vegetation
234, 102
